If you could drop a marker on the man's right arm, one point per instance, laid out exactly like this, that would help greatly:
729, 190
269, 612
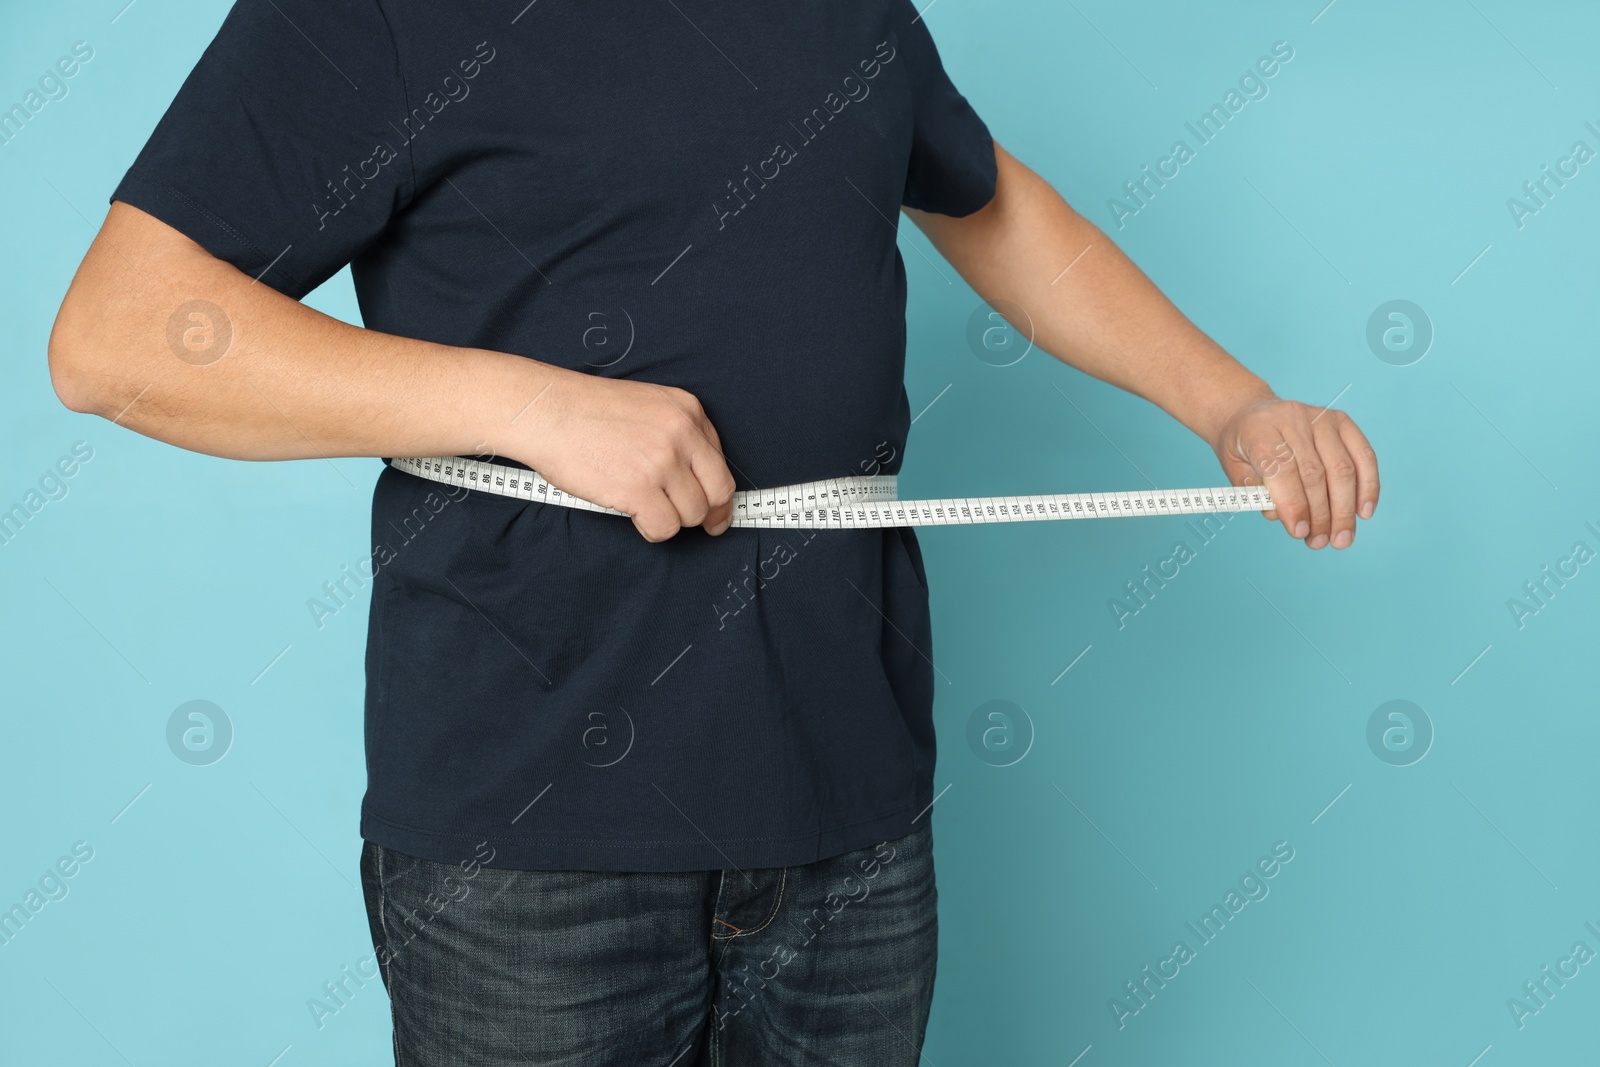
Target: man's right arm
294, 383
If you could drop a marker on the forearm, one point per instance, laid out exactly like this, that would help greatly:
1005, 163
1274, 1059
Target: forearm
1089, 305
290, 382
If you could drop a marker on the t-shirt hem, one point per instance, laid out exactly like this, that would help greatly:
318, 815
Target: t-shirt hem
535, 852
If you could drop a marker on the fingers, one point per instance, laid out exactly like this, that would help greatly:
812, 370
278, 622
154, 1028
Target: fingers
1282, 477
1314, 487
690, 484
684, 490
1279, 456
713, 482
1366, 461
1320, 469
1340, 470
719, 518
676, 500
1334, 479
717, 484
708, 467
655, 516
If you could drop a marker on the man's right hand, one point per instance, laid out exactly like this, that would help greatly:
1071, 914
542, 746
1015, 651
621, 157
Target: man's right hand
644, 449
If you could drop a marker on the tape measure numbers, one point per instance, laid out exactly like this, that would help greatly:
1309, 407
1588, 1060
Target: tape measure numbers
860, 502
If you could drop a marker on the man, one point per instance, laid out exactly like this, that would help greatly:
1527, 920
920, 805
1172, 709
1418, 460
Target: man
651, 792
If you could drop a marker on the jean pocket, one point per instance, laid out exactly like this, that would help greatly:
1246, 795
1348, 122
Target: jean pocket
390, 866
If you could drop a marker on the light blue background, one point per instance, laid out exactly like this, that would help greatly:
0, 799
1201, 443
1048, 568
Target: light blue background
1224, 717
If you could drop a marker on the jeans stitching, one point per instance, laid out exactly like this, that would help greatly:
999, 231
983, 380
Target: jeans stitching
387, 962
783, 880
716, 905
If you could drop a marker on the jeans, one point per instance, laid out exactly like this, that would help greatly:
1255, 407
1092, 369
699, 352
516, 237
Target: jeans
827, 963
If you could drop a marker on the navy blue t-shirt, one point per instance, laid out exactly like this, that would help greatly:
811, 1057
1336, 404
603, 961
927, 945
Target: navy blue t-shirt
700, 193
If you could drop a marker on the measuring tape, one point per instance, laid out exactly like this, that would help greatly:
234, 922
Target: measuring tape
863, 501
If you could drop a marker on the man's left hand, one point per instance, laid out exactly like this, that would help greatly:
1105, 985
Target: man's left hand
1316, 463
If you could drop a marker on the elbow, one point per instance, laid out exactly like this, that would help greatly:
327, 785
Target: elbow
104, 350
71, 353
72, 384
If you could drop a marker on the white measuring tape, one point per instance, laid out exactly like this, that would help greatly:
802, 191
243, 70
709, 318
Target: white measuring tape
860, 502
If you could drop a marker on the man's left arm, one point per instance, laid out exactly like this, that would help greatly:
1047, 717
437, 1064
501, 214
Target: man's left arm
1093, 309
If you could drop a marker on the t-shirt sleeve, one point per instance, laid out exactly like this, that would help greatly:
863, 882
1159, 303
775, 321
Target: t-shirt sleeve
281, 153
952, 166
